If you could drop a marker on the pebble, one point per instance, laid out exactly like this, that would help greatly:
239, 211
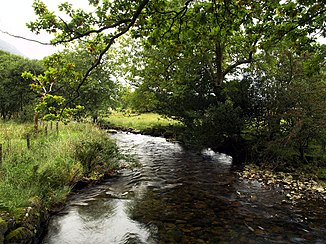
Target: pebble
294, 189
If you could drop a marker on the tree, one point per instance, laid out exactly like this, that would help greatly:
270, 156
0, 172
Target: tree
15, 93
224, 35
58, 85
109, 21
59, 74
99, 91
195, 51
287, 102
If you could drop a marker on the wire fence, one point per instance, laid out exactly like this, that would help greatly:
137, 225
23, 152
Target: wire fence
9, 145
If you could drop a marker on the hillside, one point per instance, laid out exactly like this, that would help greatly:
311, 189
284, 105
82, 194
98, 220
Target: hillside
5, 46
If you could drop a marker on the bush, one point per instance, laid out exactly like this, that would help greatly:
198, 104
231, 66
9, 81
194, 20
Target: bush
96, 154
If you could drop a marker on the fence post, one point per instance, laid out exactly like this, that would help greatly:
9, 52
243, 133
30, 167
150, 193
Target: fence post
46, 130
0, 154
51, 125
28, 140
57, 127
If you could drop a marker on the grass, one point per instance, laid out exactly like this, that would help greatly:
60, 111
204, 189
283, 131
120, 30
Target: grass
139, 121
46, 172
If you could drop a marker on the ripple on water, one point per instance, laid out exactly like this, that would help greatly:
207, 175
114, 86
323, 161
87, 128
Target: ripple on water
181, 196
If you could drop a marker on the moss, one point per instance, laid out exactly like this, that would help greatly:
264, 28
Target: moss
321, 174
20, 235
3, 229
3, 226
19, 214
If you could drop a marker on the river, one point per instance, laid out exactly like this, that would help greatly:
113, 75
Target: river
183, 196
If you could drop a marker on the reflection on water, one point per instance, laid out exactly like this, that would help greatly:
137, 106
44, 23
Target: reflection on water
97, 221
182, 196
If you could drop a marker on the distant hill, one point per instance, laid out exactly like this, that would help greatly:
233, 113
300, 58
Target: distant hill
5, 46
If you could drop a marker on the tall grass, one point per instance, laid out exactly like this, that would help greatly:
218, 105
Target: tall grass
46, 172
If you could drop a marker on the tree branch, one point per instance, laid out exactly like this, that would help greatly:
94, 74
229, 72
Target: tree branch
300, 23
24, 38
97, 31
78, 36
182, 12
242, 61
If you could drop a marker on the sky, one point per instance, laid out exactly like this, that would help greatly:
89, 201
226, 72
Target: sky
14, 14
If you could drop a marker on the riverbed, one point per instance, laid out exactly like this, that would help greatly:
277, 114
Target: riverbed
180, 195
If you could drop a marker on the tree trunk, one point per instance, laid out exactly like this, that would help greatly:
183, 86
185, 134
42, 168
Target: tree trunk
274, 127
219, 61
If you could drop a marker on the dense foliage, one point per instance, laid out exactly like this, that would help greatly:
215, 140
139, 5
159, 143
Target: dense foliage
15, 93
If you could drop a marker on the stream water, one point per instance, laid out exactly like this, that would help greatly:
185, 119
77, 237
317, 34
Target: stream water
183, 196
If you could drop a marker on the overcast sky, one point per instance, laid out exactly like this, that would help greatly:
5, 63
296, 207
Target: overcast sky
14, 14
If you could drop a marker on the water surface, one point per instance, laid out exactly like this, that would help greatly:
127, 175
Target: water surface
183, 196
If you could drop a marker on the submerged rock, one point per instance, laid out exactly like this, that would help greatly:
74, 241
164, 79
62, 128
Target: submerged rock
112, 131
294, 187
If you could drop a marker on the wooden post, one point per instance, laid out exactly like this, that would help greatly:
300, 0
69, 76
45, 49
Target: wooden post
57, 127
0, 154
50, 125
36, 118
28, 140
46, 130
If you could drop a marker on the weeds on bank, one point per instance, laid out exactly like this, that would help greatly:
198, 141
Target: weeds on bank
46, 172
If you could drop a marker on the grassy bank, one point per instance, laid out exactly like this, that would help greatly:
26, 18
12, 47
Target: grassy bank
44, 174
147, 124
138, 121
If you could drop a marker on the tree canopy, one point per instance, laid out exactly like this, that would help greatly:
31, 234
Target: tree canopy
228, 33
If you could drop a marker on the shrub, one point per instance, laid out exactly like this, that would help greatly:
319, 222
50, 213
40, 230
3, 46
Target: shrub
96, 154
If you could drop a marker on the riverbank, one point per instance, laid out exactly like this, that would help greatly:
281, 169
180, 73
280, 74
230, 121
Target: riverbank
146, 124
297, 184
39, 170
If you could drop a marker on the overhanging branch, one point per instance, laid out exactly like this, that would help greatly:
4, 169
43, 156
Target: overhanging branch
97, 31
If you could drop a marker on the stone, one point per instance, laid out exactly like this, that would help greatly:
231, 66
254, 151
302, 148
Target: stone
3, 229
20, 235
3, 226
112, 131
